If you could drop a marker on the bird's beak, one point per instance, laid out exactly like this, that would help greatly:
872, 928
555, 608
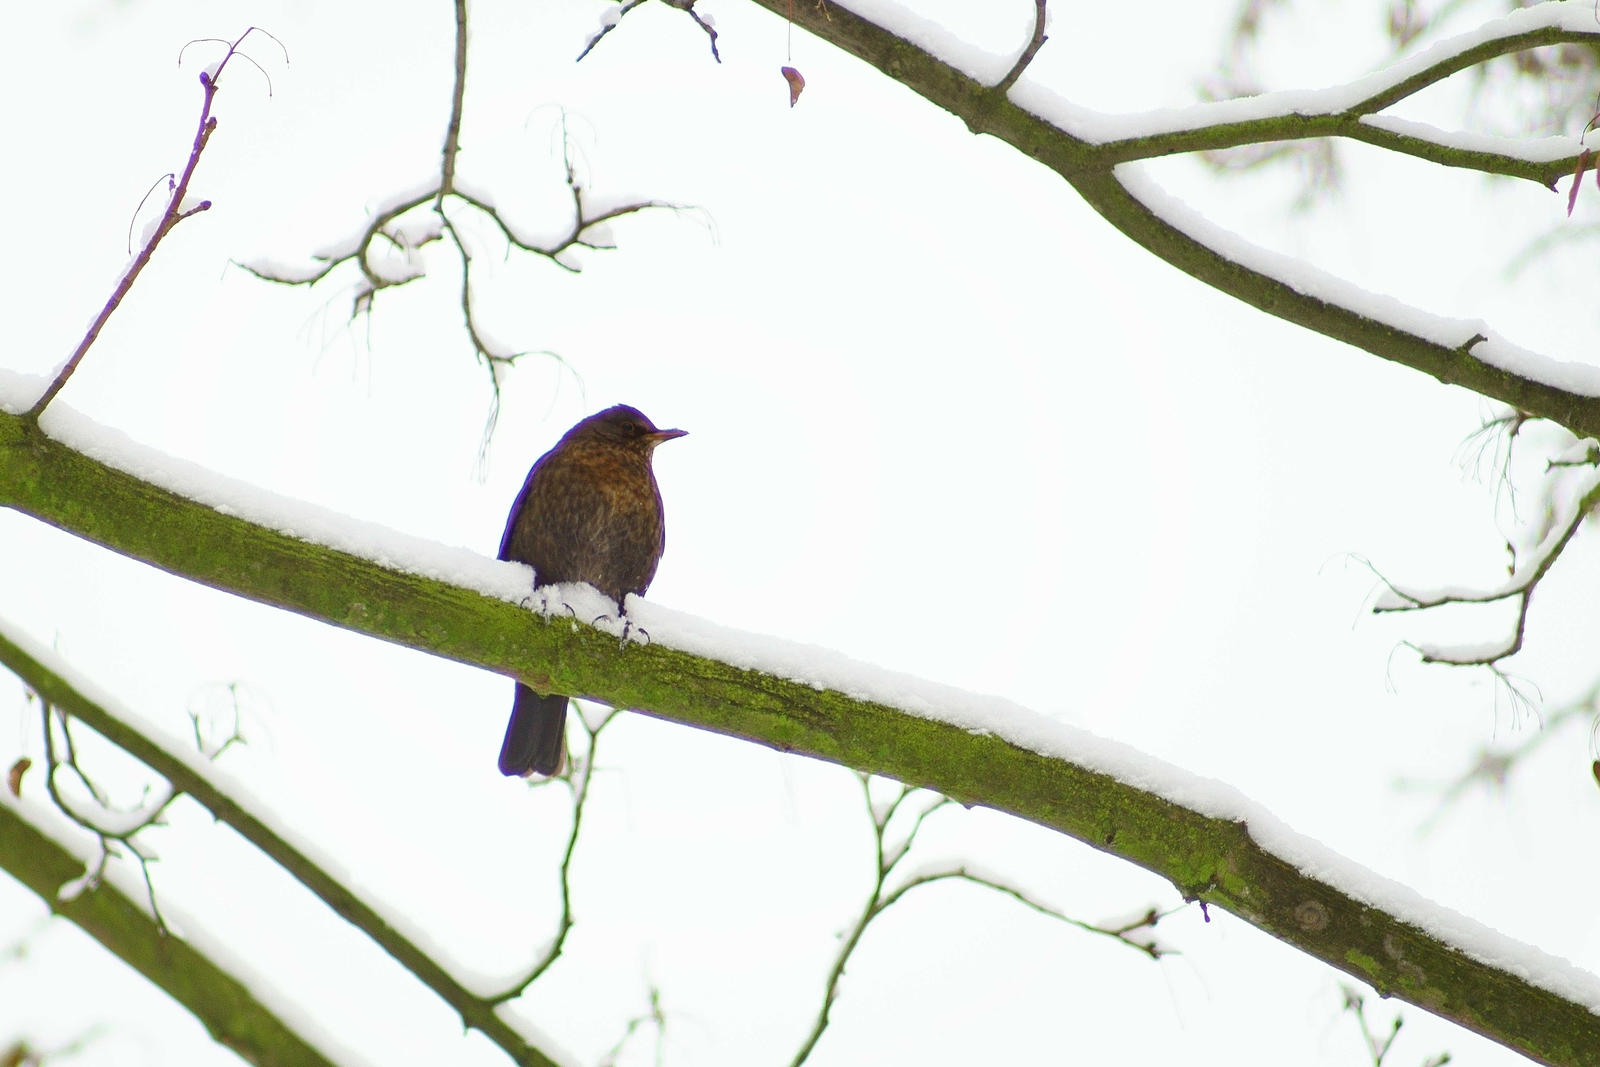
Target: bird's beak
664, 435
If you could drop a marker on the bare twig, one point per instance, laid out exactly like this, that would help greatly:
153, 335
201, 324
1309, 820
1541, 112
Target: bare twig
577, 779
1379, 1044
176, 211
1496, 438
687, 7
889, 855
111, 827
607, 24
394, 228
1490, 767
452, 136
1548, 537
655, 1018
610, 22
1028, 52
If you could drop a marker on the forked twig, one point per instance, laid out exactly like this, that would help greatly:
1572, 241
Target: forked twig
178, 208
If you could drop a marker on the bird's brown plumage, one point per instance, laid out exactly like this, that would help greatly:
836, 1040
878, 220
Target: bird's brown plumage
589, 511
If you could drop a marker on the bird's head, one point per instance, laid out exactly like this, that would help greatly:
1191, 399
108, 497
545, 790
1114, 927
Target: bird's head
627, 426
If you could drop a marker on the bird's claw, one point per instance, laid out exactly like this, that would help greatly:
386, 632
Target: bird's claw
628, 629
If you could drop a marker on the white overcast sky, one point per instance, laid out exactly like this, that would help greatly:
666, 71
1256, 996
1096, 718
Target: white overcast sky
942, 419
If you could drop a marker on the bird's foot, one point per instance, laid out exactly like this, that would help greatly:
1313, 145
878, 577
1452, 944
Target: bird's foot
628, 630
540, 600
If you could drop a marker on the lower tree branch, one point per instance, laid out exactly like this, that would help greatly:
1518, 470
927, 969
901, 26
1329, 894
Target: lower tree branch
60, 692
222, 1003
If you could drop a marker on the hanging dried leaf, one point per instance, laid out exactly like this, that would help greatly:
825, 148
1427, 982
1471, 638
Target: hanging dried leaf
796, 83
1584, 159
14, 778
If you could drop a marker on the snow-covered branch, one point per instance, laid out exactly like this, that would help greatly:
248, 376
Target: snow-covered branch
1352, 110
1570, 493
1089, 151
1212, 844
109, 912
191, 775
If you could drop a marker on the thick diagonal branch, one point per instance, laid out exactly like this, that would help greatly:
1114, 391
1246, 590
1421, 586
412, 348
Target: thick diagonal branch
1218, 858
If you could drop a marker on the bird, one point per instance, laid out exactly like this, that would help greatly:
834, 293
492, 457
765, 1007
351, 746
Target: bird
589, 511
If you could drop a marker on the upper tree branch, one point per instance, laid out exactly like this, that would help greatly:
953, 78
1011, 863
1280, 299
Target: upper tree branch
1123, 199
1210, 858
1352, 110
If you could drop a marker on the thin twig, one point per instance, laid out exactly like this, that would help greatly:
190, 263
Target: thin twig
1378, 1045
606, 27
883, 898
1520, 590
388, 228
1035, 43
686, 6
108, 837
579, 776
1491, 767
655, 1018
175, 212
452, 136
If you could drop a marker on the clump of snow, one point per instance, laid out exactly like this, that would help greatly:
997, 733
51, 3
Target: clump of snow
936, 40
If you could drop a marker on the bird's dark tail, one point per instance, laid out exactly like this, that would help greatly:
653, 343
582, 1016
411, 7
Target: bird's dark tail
536, 736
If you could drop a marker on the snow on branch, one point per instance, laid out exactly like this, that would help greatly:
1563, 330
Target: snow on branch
231, 1004
387, 249
1090, 151
1569, 495
612, 17
1214, 845
63, 693
1352, 109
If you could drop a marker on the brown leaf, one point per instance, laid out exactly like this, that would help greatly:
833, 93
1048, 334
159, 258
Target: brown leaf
796, 83
14, 778
1577, 179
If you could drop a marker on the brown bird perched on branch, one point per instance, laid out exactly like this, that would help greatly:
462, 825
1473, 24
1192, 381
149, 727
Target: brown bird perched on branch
590, 511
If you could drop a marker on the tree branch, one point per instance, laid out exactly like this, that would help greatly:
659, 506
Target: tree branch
1212, 858
1351, 110
222, 1003
458, 92
1129, 202
186, 776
